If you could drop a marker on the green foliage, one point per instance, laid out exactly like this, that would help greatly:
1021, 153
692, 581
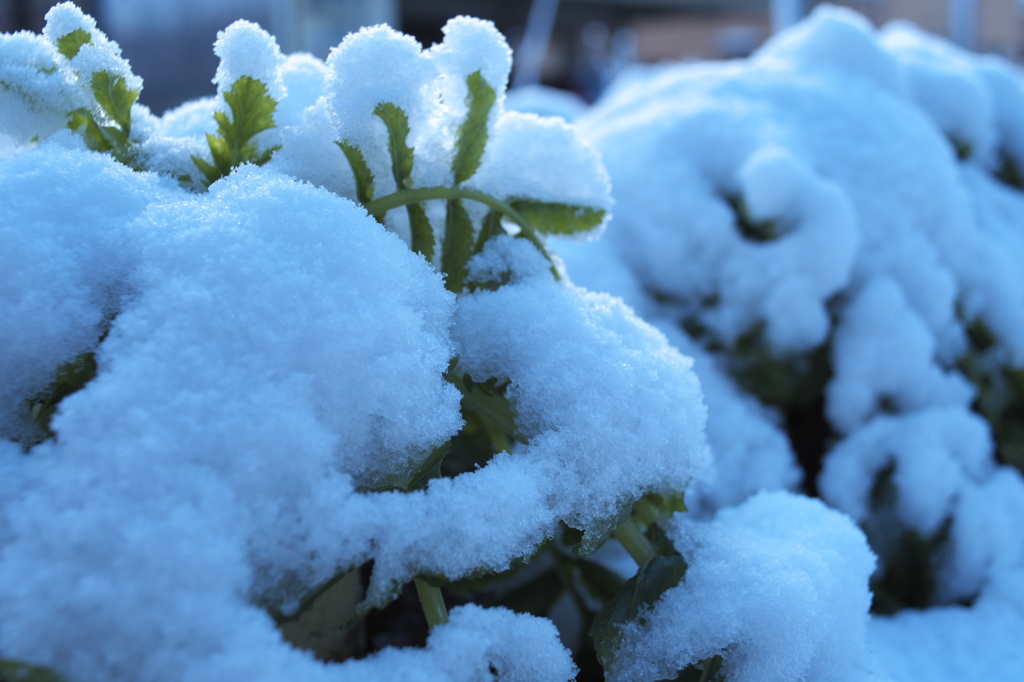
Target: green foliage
324, 623
472, 138
70, 378
397, 123
630, 603
110, 133
70, 44
252, 112
963, 148
754, 230
463, 238
1000, 392
363, 175
1009, 172
458, 245
908, 561
780, 381
548, 217
16, 671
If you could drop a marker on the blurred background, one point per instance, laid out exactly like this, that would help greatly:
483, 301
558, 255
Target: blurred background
577, 45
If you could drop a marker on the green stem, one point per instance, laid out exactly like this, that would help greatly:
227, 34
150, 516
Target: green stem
404, 197
432, 602
635, 542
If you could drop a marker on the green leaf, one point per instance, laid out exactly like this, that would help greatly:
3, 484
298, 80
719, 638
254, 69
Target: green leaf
321, 623
361, 171
472, 138
419, 476
490, 227
654, 507
16, 671
458, 245
549, 217
639, 593
252, 112
422, 232
487, 400
83, 121
69, 44
397, 123
71, 377
209, 171
115, 98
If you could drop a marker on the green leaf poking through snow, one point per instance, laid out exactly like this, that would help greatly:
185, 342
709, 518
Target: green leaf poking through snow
555, 218
422, 232
361, 171
115, 98
472, 140
397, 123
458, 245
69, 44
639, 593
252, 112
111, 133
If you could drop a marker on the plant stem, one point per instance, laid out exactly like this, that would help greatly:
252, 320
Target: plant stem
635, 542
432, 602
404, 197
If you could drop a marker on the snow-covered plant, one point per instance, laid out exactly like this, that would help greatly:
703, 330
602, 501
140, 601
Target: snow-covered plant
832, 227
311, 327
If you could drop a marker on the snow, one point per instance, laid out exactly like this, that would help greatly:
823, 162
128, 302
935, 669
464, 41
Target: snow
778, 585
246, 50
886, 247
271, 358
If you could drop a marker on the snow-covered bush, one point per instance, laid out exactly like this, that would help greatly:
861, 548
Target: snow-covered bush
310, 330
832, 228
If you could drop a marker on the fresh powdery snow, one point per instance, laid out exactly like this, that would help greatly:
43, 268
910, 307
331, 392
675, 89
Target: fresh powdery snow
846, 199
278, 353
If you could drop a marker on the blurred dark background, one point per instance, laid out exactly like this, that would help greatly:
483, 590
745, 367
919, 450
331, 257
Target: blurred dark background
577, 45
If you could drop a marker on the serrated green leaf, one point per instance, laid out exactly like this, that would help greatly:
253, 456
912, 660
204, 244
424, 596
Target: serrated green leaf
115, 98
422, 231
70, 44
361, 171
458, 245
16, 671
472, 138
639, 593
548, 217
252, 112
209, 172
397, 124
